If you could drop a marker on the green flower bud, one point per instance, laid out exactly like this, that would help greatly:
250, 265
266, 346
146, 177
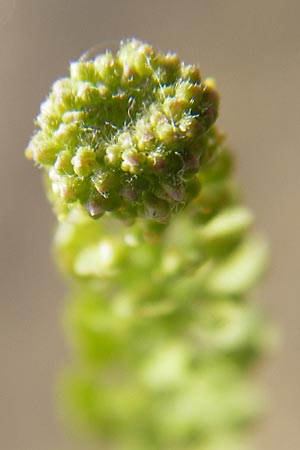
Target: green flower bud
174, 107
84, 71
190, 73
109, 70
188, 92
63, 164
136, 59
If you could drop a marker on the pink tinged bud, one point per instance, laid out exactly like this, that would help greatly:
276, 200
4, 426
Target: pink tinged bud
129, 193
134, 188
84, 161
125, 140
191, 162
175, 192
146, 141
157, 210
94, 208
66, 187
132, 161
157, 162
113, 154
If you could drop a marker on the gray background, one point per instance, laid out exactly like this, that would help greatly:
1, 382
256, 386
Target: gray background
253, 50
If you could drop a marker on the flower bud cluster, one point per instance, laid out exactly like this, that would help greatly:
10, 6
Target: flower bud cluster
127, 133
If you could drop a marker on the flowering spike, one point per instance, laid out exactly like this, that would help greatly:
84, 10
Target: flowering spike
163, 334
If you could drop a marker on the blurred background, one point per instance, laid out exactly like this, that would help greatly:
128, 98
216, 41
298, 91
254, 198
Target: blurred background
252, 48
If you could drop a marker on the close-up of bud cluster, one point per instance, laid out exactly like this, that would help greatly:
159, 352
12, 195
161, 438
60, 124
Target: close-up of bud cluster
163, 336
127, 133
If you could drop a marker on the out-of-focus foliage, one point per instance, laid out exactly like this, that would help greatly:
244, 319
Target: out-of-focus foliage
164, 338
